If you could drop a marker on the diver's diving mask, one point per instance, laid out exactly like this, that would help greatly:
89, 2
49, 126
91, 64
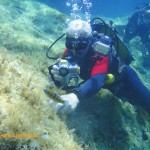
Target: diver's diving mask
77, 44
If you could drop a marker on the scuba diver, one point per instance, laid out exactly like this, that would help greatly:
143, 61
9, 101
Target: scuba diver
139, 25
96, 54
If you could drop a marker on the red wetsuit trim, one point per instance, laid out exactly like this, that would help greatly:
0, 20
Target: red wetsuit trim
65, 52
101, 66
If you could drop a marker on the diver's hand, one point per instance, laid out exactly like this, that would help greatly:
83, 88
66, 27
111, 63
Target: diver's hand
55, 73
70, 102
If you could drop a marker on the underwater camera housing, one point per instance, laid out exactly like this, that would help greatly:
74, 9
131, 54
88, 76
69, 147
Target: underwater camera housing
68, 71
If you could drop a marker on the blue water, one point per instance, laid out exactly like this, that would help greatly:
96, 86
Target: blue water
107, 8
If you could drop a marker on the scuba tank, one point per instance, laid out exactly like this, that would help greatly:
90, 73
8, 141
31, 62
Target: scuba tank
100, 27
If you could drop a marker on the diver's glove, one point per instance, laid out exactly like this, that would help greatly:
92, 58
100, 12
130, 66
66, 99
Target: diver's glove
69, 103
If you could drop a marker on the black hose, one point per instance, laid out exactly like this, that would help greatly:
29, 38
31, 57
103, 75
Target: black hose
48, 50
98, 18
